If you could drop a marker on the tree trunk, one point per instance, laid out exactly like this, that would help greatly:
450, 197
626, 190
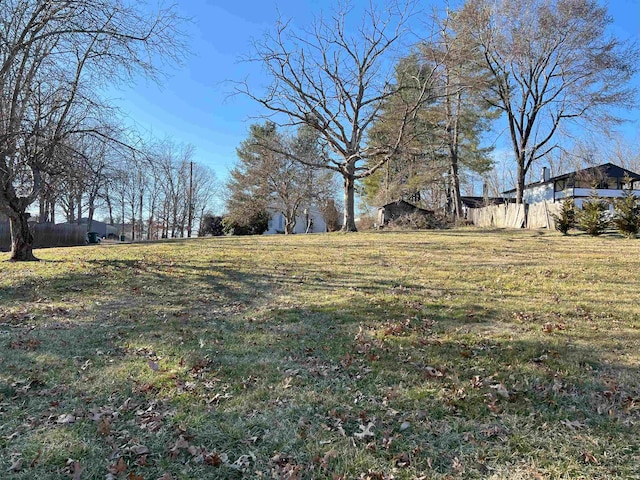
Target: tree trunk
79, 206
110, 208
71, 212
92, 210
455, 187
141, 233
520, 181
349, 220
289, 224
21, 239
42, 211
453, 113
152, 212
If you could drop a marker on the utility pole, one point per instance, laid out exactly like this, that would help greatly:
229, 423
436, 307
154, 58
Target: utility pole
190, 220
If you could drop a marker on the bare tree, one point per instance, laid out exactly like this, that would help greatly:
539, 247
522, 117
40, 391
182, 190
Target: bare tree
53, 57
554, 67
172, 162
336, 82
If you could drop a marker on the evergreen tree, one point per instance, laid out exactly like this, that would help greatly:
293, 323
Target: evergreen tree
626, 216
446, 132
269, 176
566, 219
593, 216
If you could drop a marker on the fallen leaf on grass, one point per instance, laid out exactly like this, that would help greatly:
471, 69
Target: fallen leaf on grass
77, 471
181, 444
324, 463
35, 459
590, 458
119, 467
153, 365
501, 390
213, 459
104, 427
402, 460
365, 431
140, 450
25, 344
550, 327
133, 476
575, 424
433, 372
66, 418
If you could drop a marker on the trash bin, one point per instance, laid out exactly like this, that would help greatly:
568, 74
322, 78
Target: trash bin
122, 238
93, 237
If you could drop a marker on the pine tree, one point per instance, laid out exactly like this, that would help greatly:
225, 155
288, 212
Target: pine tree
270, 176
593, 216
626, 217
446, 133
566, 219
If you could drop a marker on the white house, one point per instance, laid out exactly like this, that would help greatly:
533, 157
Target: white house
309, 220
609, 180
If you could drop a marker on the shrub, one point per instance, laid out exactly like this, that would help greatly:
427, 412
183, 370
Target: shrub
211, 225
257, 224
566, 219
418, 221
593, 218
366, 222
331, 216
626, 216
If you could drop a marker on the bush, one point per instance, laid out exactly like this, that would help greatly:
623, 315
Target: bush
626, 216
331, 216
257, 224
419, 221
211, 225
593, 218
566, 219
366, 222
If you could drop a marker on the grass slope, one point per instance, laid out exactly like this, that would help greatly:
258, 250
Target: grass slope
457, 354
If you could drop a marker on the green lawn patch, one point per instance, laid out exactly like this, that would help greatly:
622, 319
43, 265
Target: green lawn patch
452, 354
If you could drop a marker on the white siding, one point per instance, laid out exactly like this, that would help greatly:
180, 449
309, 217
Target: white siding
276, 223
538, 193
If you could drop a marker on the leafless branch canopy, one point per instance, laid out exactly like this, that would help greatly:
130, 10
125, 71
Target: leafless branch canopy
554, 66
333, 80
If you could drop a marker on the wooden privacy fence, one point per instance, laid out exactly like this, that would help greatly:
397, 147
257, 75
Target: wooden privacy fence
510, 215
47, 235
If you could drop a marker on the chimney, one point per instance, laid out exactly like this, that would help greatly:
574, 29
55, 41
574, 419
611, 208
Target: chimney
545, 174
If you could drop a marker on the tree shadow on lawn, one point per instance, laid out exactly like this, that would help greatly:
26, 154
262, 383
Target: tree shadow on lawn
444, 396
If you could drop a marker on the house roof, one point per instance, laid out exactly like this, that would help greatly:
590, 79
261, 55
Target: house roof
605, 170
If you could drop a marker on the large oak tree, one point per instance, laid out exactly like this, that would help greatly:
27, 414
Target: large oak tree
555, 67
335, 79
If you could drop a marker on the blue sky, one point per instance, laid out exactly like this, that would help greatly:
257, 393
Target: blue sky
193, 104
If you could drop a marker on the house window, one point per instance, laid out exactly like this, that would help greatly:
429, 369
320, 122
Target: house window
560, 185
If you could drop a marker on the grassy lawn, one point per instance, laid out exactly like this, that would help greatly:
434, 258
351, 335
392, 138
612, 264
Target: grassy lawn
453, 354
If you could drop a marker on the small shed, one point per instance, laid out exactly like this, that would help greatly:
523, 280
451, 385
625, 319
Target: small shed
395, 210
